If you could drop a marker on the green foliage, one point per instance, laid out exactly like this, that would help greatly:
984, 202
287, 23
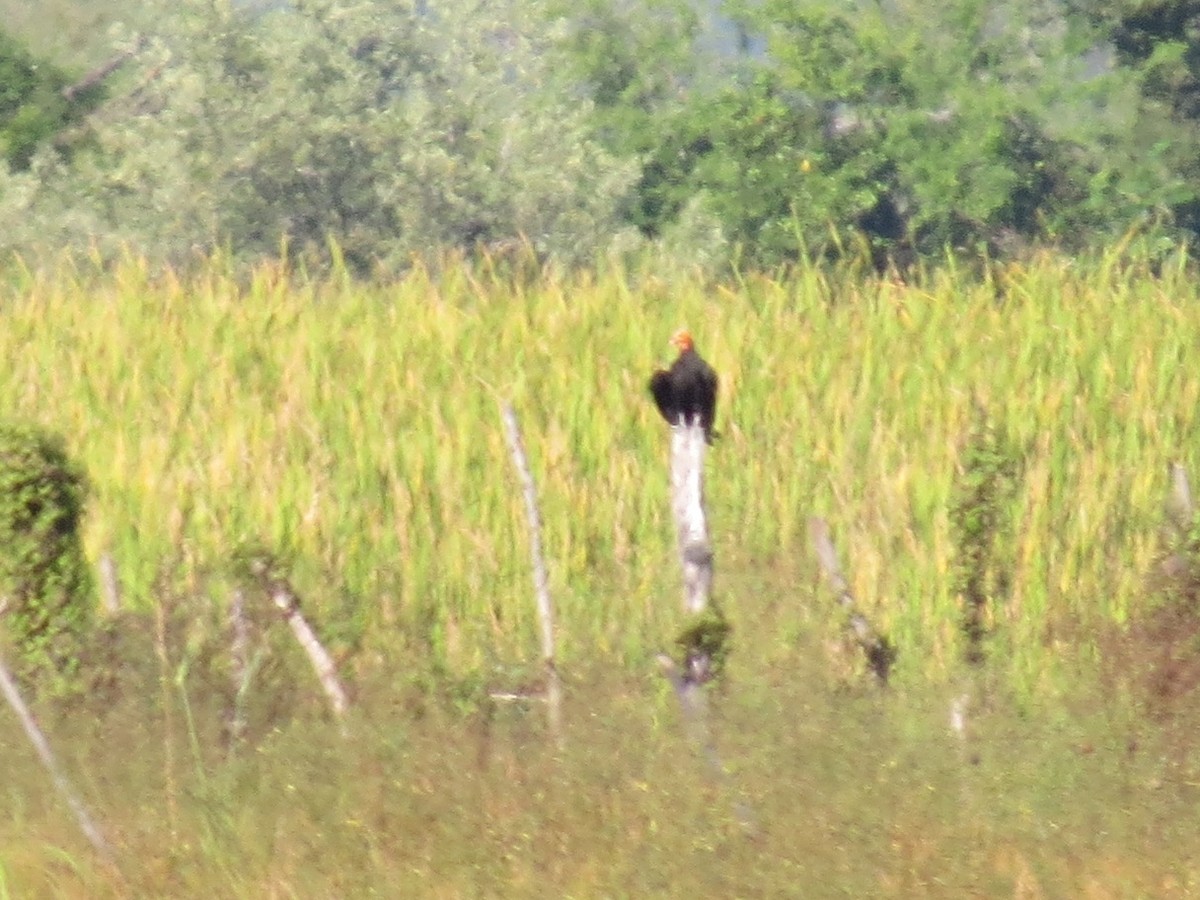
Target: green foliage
632, 59
981, 127
32, 106
706, 642
1159, 39
1155, 48
76, 34
44, 577
366, 135
361, 135
980, 512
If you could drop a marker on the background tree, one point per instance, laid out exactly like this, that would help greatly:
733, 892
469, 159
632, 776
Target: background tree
383, 129
33, 107
1157, 42
980, 126
713, 131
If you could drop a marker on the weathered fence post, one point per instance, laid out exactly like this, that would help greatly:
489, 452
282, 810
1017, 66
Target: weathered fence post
8, 686
879, 652
541, 581
687, 498
110, 584
288, 603
1180, 507
704, 641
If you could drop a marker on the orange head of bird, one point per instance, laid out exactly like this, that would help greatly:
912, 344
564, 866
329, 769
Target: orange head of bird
683, 340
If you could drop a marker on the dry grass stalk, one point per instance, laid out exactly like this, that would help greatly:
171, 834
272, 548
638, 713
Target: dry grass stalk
168, 707
290, 407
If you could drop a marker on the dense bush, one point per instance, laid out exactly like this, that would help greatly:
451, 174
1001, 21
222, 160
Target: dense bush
44, 579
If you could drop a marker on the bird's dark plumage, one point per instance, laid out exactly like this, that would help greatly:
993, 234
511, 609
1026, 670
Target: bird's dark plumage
687, 391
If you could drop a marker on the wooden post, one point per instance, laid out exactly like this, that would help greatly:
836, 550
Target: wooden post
8, 686
110, 585
688, 447
541, 581
288, 603
879, 652
1180, 506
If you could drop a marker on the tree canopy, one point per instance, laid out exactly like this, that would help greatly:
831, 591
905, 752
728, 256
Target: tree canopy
759, 132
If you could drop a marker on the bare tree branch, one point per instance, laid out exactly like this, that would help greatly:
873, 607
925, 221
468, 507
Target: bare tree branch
101, 72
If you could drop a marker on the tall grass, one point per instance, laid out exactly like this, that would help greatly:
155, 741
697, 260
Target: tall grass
354, 428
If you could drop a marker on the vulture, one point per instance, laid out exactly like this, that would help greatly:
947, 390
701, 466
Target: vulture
687, 391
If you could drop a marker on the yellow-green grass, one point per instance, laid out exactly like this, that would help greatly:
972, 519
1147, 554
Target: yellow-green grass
849, 794
354, 428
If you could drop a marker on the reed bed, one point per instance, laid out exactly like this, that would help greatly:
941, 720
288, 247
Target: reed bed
354, 429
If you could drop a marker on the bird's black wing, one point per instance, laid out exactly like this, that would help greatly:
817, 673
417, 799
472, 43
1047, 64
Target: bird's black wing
663, 392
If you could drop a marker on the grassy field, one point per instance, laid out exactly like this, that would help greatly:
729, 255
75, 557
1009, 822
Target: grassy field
846, 794
354, 430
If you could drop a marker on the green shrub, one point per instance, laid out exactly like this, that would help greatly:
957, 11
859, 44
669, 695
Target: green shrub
44, 580
980, 514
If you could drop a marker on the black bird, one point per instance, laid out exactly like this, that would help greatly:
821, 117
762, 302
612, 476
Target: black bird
688, 390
